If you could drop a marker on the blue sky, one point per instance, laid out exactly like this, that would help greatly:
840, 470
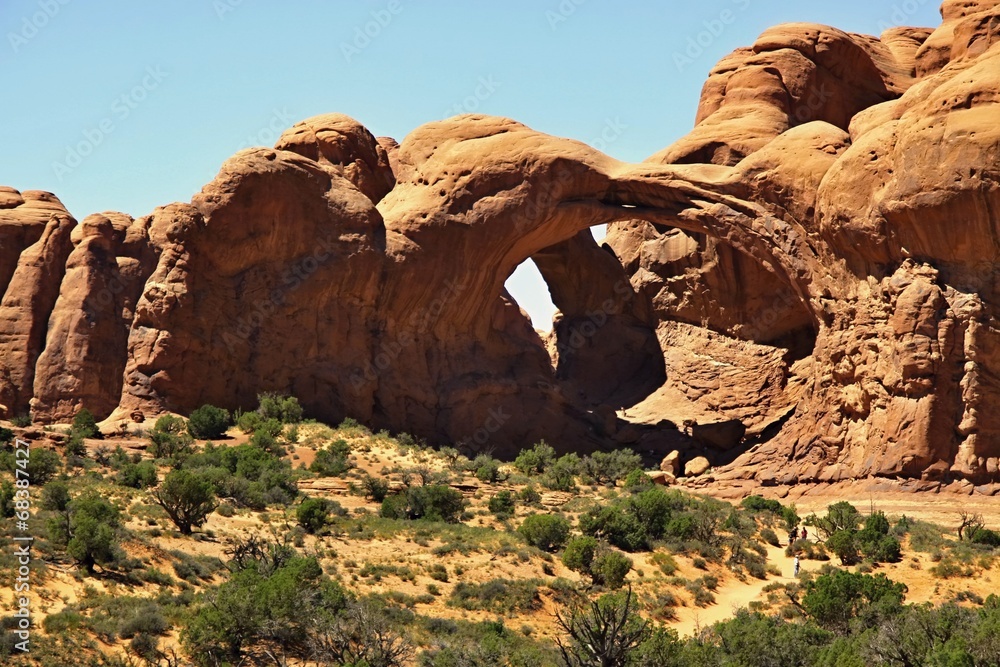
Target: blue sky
127, 105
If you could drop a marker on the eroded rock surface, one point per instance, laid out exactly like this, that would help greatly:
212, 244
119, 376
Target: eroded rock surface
801, 289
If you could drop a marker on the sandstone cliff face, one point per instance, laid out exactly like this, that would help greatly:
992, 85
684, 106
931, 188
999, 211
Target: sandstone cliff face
803, 288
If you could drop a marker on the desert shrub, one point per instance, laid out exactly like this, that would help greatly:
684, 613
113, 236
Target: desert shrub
635, 522
770, 537
169, 438
637, 480
502, 504
148, 619
529, 495
877, 522
501, 596
138, 475
188, 498
313, 514
610, 632
6, 436
22, 420
435, 502
284, 409
665, 562
248, 421
609, 467
610, 568
579, 553
247, 475
85, 425
485, 468
438, 572
548, 532
561, 475
95, 528
844, 546
7, 495
986, 537
789, 517
264, 604
877, 547
41, 466
333, 460
833, 600
375, 488
839, 516
208, 422
536, 460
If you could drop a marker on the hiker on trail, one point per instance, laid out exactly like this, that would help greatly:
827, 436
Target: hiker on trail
792, 534
803, 532
796, 570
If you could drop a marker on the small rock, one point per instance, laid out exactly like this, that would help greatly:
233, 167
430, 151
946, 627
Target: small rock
696, 466
671, 462
660, 477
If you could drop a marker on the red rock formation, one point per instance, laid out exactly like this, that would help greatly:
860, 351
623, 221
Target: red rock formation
807, 279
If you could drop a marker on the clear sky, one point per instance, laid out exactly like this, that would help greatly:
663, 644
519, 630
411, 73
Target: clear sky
130, 104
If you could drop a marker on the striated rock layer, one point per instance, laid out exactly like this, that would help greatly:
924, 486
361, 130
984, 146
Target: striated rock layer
801, 289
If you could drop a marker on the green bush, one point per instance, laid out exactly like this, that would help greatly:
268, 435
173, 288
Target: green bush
284, 409
208, 422
529, 495
986, 537
434, 502
486, 468
313, 514
665, 562
42, 464
839, 516
536, 460
770, 537
844, 546
610, 568
6, 436
332, 461
561, 475
548, 532
265, 603
94, 531
188, 498
85, 425
579, 553
22, 420
138, 475
502, 505
7, 508
375, 488
169, 438
501, 596
248, 421
833, 600
610, 467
